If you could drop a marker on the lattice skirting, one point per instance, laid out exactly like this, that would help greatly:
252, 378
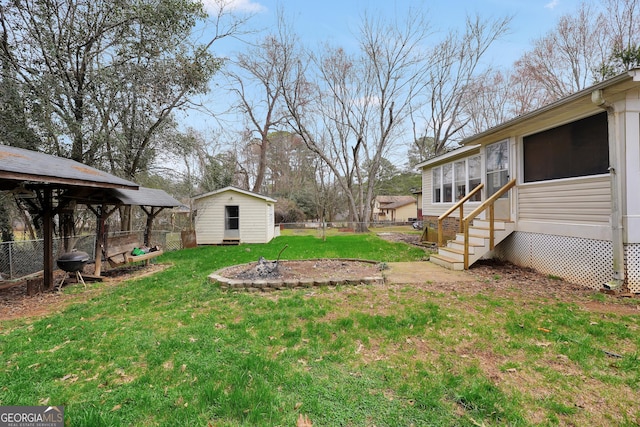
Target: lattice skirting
587, 262
632, 264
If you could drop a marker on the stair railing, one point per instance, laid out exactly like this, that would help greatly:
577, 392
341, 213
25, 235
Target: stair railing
489, 203
459, 205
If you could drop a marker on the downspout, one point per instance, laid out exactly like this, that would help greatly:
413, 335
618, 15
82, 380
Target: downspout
617, 225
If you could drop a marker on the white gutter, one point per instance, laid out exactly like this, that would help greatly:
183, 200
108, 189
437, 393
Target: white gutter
617, 225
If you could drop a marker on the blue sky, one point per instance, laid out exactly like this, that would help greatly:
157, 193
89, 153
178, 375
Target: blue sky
337, 20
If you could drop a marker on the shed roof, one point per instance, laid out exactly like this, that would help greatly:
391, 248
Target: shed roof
20, 165
237, 190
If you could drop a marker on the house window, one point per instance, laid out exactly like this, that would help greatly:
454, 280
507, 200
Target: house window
497, 167
437, 185
474, 169
580, 148
447, 183
460, 173
453, 181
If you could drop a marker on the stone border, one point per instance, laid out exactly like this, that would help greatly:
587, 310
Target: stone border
236, 285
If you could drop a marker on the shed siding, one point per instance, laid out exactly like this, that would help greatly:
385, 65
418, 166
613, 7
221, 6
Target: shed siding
253, 219
270, 225
254, 225
209, 221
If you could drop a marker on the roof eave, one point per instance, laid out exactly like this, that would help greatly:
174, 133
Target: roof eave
39, 180
632, 74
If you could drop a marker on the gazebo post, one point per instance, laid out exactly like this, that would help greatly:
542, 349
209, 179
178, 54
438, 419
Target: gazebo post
102, 213
99, 240
47, 221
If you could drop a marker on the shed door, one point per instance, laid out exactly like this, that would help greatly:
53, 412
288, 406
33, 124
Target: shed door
497, 156
232, 222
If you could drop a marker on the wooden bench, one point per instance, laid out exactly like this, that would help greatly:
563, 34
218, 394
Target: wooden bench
119, 251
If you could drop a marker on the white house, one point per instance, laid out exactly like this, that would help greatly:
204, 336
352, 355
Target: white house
574, 208
232, 215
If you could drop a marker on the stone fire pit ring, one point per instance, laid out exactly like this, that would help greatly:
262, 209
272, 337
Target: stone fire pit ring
301, 274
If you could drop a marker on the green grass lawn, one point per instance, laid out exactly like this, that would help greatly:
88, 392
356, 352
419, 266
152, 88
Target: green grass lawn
172, 349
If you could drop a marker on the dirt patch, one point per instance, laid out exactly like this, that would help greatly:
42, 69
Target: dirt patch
15, 303
410, 239
307, 269
527, 284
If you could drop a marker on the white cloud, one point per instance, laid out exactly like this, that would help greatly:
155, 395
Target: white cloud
552, 4
233, 5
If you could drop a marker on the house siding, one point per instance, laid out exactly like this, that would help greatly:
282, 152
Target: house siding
403, 213
575, 228
578, 207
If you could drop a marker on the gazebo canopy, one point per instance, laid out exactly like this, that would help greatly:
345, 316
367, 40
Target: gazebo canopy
19, 166
27, 173
144, 196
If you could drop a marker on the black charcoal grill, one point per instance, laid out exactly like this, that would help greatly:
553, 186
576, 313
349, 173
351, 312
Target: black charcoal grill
73, 262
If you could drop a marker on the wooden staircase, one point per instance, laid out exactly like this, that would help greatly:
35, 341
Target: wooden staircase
452, 255
477, 237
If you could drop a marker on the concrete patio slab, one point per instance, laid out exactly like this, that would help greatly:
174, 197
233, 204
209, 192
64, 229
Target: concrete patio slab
422, 272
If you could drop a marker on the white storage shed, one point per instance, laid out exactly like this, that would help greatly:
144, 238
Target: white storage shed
232, 216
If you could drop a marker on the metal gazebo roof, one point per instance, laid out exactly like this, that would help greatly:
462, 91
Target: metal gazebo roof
18, 165
33, 171
144, 196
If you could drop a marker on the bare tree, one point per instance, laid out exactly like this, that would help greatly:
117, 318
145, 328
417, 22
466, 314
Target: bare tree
564, 60
623, 35
496, 96
255, 80
455, 62
487, 102
349, 108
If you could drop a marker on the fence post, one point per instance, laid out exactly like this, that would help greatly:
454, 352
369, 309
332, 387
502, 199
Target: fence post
93, 246
10, 259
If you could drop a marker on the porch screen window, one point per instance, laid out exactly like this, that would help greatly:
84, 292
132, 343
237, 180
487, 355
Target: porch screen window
460, 173
497, 166
580, 148
232, 218
447, 183
452, 181
437, 185
475, 176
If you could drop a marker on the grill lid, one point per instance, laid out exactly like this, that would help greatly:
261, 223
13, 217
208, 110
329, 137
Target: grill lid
74, 255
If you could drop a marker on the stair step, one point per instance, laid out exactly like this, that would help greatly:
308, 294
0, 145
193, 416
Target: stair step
485, 223
451, 253
446, 262
459, 245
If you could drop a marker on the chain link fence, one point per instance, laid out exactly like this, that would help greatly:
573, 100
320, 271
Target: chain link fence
346, 226
24, 257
